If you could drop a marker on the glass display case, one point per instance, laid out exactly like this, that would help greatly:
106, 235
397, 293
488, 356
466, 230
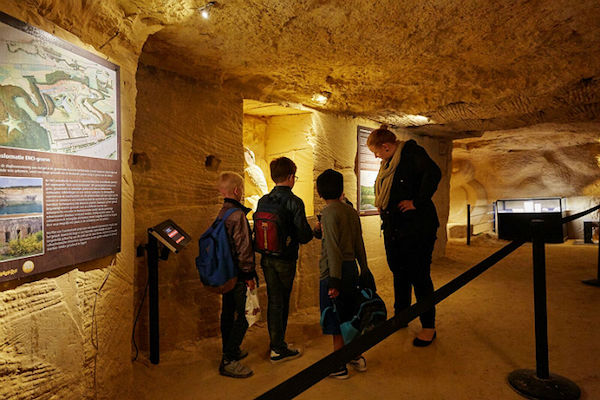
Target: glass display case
515, 215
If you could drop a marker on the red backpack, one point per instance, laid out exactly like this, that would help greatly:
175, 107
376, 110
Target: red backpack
270, 234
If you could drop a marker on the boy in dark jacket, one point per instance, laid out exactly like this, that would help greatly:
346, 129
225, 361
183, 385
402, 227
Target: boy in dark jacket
280, 270
233, 318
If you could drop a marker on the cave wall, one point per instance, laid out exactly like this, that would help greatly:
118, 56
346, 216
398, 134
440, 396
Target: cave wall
181, 123
66, 334
548, 160
289, 135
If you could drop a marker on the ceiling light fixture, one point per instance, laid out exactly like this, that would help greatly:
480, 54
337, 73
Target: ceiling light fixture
321, 98
205, 10
417, 120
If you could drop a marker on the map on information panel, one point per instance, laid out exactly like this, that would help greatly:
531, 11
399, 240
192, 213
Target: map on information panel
54, 100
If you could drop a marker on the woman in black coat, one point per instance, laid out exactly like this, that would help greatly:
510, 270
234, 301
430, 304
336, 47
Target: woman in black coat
406, 181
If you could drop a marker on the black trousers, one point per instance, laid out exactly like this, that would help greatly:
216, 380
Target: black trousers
233, 320
279, 276
409, 259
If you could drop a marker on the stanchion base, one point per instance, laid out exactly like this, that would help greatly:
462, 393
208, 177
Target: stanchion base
527, 384
592, 282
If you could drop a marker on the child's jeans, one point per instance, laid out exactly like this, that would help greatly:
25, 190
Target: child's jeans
279, 276
233, 320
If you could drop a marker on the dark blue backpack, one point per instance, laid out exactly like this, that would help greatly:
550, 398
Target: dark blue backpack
370, 312
218, 272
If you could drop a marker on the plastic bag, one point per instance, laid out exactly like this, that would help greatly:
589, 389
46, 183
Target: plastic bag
252, 306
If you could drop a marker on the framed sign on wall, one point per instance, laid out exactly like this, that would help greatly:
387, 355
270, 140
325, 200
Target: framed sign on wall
367, 169
60, 164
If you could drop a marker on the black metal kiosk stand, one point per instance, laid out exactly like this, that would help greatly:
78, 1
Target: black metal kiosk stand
541, 384
173, 239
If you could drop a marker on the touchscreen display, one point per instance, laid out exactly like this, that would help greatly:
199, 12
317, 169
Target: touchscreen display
174, 234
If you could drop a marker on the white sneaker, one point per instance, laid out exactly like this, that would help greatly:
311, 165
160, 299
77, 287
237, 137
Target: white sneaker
359, 364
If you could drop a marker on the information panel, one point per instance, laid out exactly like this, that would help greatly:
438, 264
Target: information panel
368, 167
60, 168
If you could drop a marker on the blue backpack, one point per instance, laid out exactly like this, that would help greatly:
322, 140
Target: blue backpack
370, 312
218, 272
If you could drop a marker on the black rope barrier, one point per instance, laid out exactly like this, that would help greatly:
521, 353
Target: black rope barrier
322, 368
579, 215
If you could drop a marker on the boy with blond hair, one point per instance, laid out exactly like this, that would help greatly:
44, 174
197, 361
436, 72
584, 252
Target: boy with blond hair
233, 319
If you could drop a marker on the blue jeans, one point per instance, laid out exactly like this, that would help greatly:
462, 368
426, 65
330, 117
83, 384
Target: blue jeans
233, 320
279, 276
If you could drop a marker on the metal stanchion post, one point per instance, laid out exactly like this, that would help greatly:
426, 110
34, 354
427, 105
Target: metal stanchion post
468, 224
153, 298
541, 384
596, 282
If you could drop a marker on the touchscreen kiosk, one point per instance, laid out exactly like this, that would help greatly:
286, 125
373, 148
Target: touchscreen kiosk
170, 235
174, 239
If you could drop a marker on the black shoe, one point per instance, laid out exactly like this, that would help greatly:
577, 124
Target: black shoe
341, 373
284, 355
424, 343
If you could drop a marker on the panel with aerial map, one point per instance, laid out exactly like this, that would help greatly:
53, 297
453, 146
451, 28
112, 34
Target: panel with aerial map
60, 164
54, 100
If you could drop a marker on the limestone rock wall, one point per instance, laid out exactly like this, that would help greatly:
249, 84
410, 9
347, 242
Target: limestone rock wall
182, 125
548, 160
289, 136
66, 334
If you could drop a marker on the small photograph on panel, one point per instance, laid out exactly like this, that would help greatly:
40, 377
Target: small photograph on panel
21, 217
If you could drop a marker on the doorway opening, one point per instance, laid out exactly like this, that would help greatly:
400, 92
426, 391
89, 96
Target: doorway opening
271, 131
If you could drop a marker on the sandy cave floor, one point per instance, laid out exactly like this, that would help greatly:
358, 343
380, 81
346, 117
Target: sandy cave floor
485, 331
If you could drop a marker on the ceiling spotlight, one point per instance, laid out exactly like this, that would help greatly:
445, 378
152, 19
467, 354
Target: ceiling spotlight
321, 98
205, 10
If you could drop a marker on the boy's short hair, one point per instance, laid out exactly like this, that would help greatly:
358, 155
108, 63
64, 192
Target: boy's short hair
330, 184
281, 168
229, 180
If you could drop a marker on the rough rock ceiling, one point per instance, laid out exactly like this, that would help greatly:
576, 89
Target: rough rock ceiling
469, 66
